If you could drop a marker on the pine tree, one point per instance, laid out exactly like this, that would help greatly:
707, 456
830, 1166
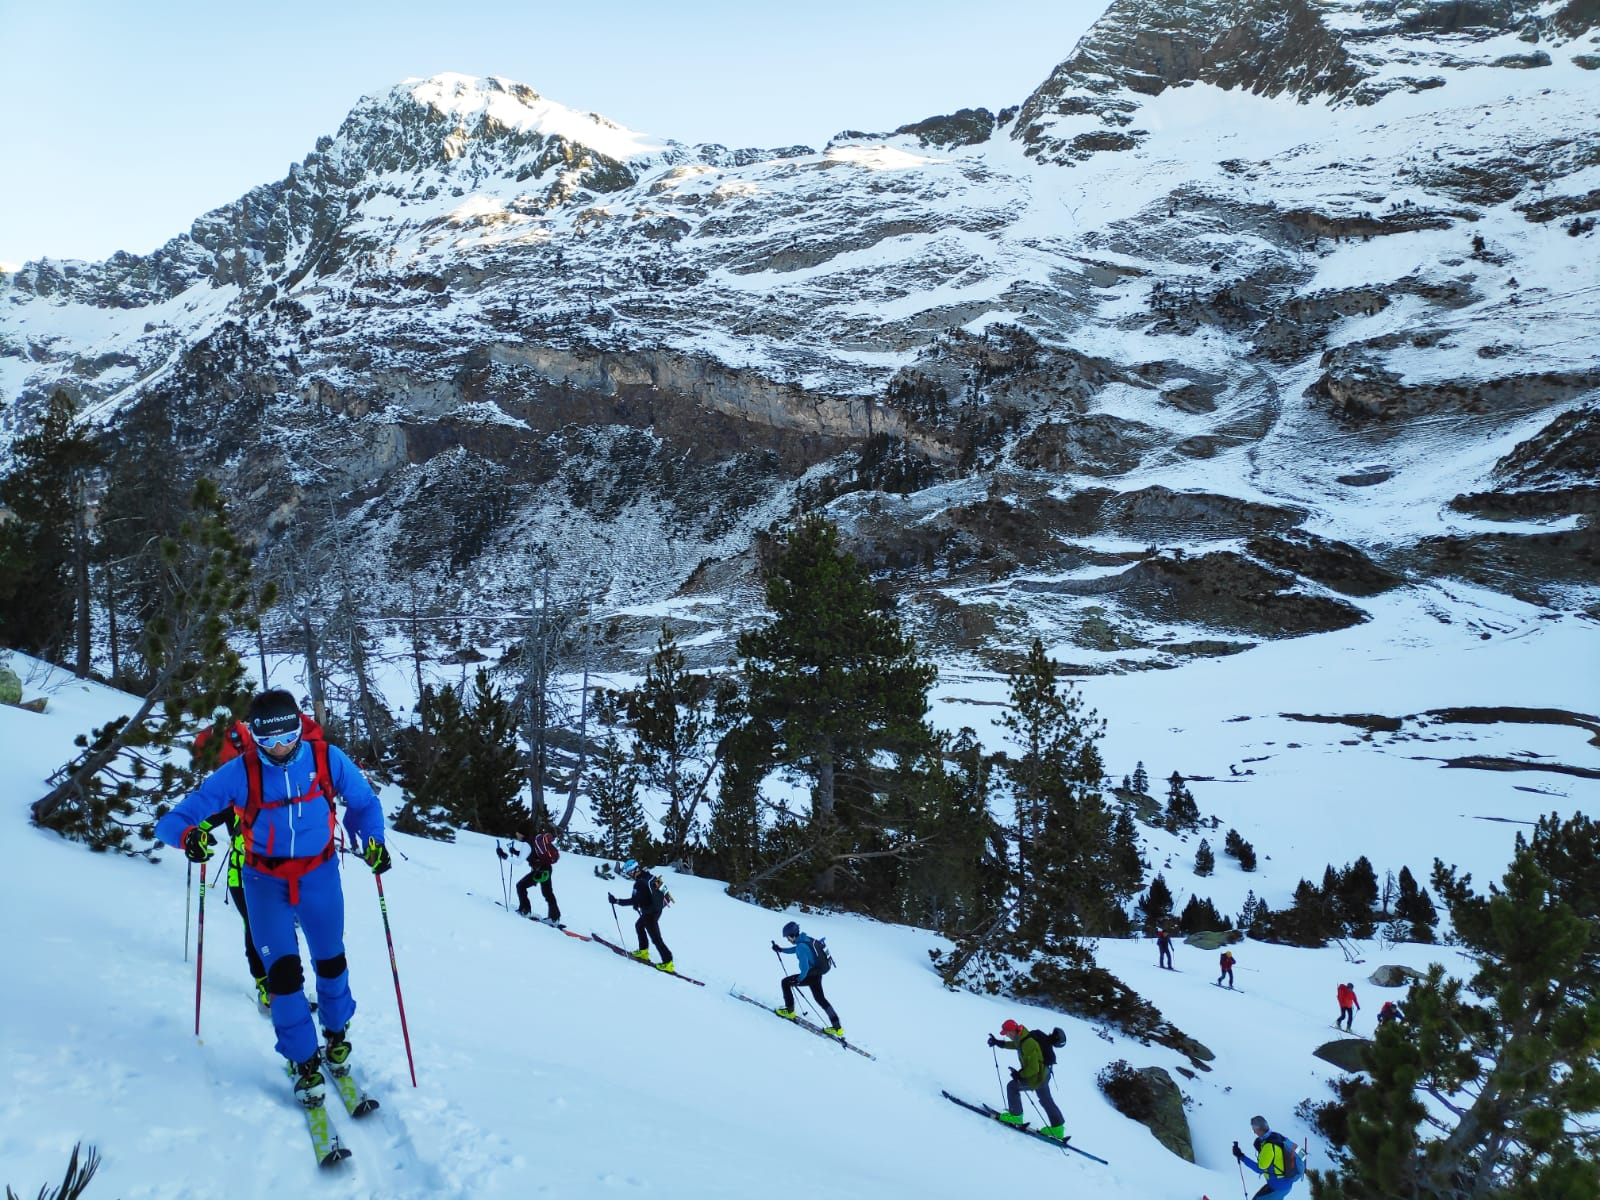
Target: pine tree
1512, 1056
1141, 781
1127, 865
1414, 908
1065, 883
1356, 898
1248, 911
1182, 811
1201, 916
678, 719
122, 779
44, 545
614, 787
489, 775
838, 688
954, 882
1155, 906
1204, 860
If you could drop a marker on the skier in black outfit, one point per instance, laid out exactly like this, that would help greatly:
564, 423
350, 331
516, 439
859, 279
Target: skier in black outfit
542, 855
649, 899
1164, 947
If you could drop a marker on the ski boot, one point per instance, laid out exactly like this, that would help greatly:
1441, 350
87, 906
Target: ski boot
263, 997
835, 1031
786, 1013
642, 955
1059, 1132
337, 1053
310, 1089
667, 967
1016, 1119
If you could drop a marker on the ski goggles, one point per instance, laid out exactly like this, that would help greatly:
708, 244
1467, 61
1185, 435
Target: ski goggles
275, 741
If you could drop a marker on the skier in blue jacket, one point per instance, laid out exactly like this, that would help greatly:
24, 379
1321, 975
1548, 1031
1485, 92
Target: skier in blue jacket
284, 788
811, 967
1277, 1160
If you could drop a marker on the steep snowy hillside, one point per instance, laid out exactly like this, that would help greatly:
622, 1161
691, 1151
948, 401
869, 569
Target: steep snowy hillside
551, 1066
1249, 313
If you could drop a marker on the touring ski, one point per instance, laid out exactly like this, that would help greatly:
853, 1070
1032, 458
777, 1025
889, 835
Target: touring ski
983, 1110
812, 1026
1225, 988
356, 1101
616, 949
325, 1143
542, 920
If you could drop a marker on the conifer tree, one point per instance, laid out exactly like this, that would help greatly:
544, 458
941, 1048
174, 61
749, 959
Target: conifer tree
1204, 860
1415, 908
1236, 847
1182, 811
1201, 916
1356, 898
1127, 866
1141, 780
1065, 884
955, 882
678, 719
1511, 1055
121, 781
613, 785
44, 546
836, 685
1155, 906
488, 767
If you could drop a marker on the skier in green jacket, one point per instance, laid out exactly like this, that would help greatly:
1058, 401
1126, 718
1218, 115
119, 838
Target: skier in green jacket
1032, 1075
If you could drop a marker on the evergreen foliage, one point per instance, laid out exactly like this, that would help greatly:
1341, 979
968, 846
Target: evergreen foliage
1141, 779
837, 692
678, 720
44, 550
614, 788
1066, 881
1182, 812
460, 765
1201, 916
1415, 908
1511, 1055
1204, 860
1127, 866
122, 780
1155, 906
1236, 847
958, 879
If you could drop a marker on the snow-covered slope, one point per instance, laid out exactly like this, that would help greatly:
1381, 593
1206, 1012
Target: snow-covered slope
549, 1066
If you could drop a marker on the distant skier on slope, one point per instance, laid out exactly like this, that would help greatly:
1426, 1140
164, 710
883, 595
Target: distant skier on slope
1036, 1057
649, 899
811, 964
285, 788
1390, 1012
1347, 1007
1276, 1159
1164, 948
1226, 963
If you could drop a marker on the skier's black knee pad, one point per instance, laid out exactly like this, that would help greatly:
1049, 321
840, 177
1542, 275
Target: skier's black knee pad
286, 976
331, 968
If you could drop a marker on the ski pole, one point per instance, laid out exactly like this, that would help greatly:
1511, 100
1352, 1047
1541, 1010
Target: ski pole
188, 909
994, 1054
400, 1001
199, 948
1244, 1190
781, 967
616, 922
500, 854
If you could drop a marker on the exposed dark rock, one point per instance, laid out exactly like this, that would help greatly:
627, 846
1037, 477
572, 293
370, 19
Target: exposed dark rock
1390, 976
965, 127
1371, 722
1346, 1053
1333, 564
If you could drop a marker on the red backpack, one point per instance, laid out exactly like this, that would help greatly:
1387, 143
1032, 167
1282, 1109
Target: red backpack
545, 847
291, 870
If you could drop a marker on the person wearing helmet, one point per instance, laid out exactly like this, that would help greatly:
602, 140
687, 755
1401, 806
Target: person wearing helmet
1347, 1008
542, 855
649, 900
811, 964
1277, 1160
1032, 1074
284, 787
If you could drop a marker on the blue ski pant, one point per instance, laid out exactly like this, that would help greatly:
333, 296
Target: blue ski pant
320, 914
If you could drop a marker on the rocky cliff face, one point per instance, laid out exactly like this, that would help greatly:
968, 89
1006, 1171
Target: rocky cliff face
1247, 314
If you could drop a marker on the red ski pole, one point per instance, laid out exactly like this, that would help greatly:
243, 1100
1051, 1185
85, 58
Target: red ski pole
400, 1000
199, 948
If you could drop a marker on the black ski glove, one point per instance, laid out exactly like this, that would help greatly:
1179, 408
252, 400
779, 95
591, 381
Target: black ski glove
1237, 1153
197, 844
377, 856
611, 898
503, 855
1016, 1074
775, 948
992, 1040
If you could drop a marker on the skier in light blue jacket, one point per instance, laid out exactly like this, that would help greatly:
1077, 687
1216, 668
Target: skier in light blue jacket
812, 964
284, 786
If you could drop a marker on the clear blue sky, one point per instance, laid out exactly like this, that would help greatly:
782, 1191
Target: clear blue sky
123, 121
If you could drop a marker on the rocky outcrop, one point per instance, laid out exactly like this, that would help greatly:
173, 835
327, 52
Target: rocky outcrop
1391, 975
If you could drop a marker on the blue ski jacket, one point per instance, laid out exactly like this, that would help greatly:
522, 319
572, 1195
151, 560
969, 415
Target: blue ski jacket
805, 956
296, 830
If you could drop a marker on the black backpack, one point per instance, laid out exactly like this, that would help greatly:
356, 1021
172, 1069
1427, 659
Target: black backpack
822, 962
1048, 1043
